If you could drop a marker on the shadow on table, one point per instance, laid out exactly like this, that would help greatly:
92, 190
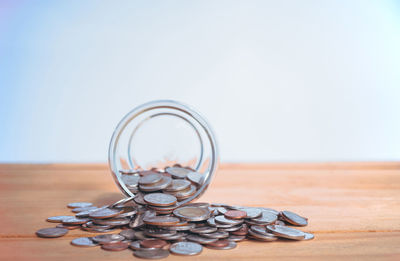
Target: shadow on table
107, 198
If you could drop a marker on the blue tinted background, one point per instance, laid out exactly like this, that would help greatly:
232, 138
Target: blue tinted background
278, 80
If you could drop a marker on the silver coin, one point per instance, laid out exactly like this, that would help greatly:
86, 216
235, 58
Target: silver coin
162, 184
108, 238
308, 236
294, 219
273, 211
57, 219
231, 245
112, 221
252, 212
236, 238
192, 213
150, 179
222, 210
51, 232
231, 229
156, 232
79, 204
217, 234
128, 171
177, 236
177, 227
262, 236
195, 177
160, 199
177, 172
201, 240
130, 180
211, 222
128, 212
286, 232
151, 254
183, 194
75, 221
177, 185
186, 248
84, 214
77, 210
105, 213
83, 242
203, 229
265, 218
223, 220
128, 234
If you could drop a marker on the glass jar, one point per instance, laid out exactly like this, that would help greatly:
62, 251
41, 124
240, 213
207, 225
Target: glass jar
159, 134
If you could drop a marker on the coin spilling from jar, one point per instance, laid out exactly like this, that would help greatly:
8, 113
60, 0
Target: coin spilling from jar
153, 224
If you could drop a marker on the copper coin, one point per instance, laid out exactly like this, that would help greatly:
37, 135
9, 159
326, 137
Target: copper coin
119, 246
51, 232
105, 213
79, 204
83, 242
231, 245
235, 214
57, 219
153, 243
294, 219
150, 179
151, 254
219, 243
160, 199
161, 220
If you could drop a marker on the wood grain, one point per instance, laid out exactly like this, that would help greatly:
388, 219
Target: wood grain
353, 208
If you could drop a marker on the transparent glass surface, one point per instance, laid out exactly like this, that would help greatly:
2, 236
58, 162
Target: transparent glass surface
159, 134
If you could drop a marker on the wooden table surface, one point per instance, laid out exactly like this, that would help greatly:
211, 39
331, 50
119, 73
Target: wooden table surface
353, 209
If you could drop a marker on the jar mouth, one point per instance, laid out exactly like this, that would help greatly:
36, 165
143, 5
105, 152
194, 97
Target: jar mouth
161, 133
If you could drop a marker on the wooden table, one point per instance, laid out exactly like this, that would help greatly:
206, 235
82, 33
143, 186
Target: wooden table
353, 209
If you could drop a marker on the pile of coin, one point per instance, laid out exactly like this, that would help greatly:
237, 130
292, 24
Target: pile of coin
153, 225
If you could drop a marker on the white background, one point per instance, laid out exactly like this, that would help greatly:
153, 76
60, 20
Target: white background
278, 80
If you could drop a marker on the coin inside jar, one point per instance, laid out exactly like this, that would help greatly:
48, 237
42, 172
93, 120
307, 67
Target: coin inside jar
150, 179
177, 185
177, 172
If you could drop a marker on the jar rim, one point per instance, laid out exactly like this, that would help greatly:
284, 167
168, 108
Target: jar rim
188, 112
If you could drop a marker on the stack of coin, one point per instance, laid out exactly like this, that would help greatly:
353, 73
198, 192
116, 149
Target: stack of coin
153, 226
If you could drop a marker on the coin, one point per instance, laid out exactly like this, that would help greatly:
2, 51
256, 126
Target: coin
286, 232
265, 218
108, 238
219, 243
121, 203
236, 238
223, 220
252, 212
105, 213
196, 178
159, 199
259, 233
161, 220
204, 229
69, 227
83, 242
77, 210
75, 221
186, 248
177, 172
230, 245
153, 243
79, 204
186, 193
130, 180
192, 213
150, 179
128, 234
135, 245
57, 219
294, 219
128, 212
235, 214
128, 171
151, 254
112, 221
216, 234
162, 184
308, 236
177, 185
242, 231
51, 232
118, 246
157, 232
200, 239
